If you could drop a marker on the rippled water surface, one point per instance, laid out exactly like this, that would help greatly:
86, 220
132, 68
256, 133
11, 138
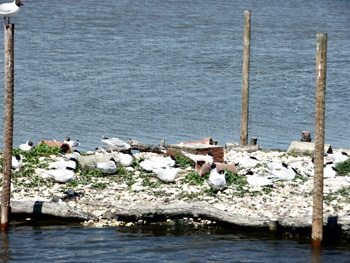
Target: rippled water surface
172, 70
158, 244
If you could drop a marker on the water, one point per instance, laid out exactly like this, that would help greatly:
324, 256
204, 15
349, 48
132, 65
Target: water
158, 244
173, 70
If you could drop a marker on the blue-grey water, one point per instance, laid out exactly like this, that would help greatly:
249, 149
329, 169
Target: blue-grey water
172, 70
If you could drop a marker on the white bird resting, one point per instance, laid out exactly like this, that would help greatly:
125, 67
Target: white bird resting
60, 175
168, 174
28, 146
125, 159
208, 158
109, 167
63, 164
116, 143
258, 180
17, 162
247, 162
285, 173
153, 163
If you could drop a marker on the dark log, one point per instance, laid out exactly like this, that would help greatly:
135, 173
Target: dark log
142, 147
47, 210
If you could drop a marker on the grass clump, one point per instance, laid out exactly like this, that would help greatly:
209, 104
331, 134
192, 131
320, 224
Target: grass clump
343, 168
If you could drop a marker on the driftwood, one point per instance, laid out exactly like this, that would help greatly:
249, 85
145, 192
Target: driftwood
142, 147
46, 210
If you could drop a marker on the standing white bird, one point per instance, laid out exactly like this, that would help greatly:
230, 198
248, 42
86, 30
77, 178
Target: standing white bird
28, 146
10, 10
208, 158
72, 144
17, 162
116, 143
168, 174
109, 167
216, 180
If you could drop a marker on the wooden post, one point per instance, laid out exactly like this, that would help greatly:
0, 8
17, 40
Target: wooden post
321, 69
8, 135
245, 88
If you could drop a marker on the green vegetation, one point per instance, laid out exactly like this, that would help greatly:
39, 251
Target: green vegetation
343, 168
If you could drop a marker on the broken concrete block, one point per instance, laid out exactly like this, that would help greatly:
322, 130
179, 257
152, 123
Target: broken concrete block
305, 148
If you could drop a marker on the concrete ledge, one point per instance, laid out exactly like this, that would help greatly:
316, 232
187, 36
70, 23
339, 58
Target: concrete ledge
199, 149
305, 148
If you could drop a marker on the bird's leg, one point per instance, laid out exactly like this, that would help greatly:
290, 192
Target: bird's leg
6, 24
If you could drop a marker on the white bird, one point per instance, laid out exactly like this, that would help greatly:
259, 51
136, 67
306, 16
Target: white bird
168, 174
125, 159
28, 146
247, 162
72, 144
285, 173
116, 143
60, 175
10, 10
258, 180
216, 180
275, 164
329, 170
72, 163
109, 167
156, 162
17, 162
208, 158
72, 155
338, 157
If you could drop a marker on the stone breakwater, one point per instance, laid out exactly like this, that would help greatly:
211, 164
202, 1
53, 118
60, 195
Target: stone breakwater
134, 187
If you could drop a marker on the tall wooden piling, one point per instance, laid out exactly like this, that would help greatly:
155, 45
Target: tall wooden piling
245, 88
8, 134
321, 68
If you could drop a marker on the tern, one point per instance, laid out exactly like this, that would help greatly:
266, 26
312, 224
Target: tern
72, 163
17, 162
258, 180
247, 162
208, 158
116, 143
153, 163
216, 179
109, 167
285, 173
60, 175
125, 159
338, 157
168, 174
28, 146
10, 10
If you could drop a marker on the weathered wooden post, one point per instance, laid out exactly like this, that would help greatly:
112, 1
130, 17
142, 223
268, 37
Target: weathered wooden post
8, 134
245, 88
321, 69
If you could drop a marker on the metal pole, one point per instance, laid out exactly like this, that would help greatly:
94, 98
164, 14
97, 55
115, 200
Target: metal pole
321, 69
8, 135
245, 87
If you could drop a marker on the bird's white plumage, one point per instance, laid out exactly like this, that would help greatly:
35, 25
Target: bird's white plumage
60, 175
208, 158
10, 9
17, 162
108, 167
258, 180
167, 174
216, 180
116, 143
28, 146
125, 159
156, 162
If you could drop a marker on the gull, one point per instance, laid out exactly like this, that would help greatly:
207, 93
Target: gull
153, 163
258, 180
216, 180
208, 158
10, 10
168, 174
72, 144
17, 162
109, 167
28, 146
60, 175
116, 143
72, 163
125, 159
